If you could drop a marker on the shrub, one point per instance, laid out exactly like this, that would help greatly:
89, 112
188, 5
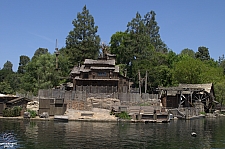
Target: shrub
12, 112
124, 115
33, 113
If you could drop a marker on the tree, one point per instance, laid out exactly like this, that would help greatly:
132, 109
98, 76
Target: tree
203, 53
220, 91
120, 45
40, 73
5, 88
188, 52
23, 62
8, 66
188, 70
40, 51
140, 48
152, 29
222, 63
82, 42
64, 64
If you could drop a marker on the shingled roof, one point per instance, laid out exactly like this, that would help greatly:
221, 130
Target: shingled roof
107, 62
206, 87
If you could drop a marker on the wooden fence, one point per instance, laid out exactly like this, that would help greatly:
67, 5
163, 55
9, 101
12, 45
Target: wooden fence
83, 95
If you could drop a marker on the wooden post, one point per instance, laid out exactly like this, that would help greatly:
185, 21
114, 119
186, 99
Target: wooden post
145, 81
139, 78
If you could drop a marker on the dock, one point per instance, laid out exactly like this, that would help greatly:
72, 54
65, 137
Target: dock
61, 118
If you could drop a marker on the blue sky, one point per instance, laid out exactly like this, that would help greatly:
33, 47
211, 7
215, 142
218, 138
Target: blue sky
27, 25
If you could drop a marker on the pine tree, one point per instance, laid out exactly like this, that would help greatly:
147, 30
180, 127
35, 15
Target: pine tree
82, 42
152, 29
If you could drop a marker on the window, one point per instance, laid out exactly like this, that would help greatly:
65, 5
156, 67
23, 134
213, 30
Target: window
102, 74
85, 76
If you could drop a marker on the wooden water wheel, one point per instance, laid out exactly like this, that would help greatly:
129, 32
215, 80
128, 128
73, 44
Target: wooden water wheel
203, 97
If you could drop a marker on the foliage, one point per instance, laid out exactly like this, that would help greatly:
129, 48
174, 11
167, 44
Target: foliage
140, 48
39, 52
12, 112
188, 52
203, 53
188, 70
222, 63
219, 88
82, 42
120, 46
8, 66
33, 113
5, 88
124, 115
9, 81
23, 62
152, 30
40, 74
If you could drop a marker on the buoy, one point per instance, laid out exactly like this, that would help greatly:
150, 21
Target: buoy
193, 134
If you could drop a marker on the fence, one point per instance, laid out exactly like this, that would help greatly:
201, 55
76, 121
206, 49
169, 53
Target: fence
97, 89
83, 95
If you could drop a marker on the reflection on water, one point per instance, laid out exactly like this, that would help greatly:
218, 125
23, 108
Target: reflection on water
176, 134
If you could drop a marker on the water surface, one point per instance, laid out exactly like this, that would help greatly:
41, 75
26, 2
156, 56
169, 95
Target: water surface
176, 134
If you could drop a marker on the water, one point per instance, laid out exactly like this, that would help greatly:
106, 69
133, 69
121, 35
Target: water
176, 134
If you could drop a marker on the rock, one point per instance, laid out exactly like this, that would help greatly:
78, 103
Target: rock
44, 115
26, 115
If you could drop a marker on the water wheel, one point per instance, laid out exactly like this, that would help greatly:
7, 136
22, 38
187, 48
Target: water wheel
203, 97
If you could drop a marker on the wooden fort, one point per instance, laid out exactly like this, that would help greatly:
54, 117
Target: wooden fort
100, 72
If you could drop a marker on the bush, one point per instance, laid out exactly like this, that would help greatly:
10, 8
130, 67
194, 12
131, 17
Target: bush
33, 113
124, 115
12, 112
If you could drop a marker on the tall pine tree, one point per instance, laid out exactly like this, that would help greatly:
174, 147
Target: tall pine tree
82, 42
152, 29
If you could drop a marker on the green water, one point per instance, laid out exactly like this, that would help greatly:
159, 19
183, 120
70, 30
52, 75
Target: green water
176, 134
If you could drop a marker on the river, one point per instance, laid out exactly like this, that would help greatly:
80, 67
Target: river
50, 134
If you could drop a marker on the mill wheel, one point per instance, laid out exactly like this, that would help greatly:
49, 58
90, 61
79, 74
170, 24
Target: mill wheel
203, 97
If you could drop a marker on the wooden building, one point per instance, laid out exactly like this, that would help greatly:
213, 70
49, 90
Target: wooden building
186, 95
9, 101
101, 72
53, 106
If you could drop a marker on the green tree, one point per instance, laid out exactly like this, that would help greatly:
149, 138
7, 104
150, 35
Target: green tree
140, 48
220, 91
203, 53
23, 62
5, 88
82, 42
40, 73
40, 51
188, 70
222, 63
188, 52
152, 29
120, 45
64, 69
8, 66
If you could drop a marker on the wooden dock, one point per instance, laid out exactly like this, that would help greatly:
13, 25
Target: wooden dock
62, 118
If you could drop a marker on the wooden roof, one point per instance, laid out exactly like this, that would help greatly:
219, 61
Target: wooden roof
207, 87
18, 100
103, 62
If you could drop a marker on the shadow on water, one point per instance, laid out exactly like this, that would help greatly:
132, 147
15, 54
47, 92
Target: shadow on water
176, 134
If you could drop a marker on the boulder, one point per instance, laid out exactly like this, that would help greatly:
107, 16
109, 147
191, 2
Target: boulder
26, 115
44, 115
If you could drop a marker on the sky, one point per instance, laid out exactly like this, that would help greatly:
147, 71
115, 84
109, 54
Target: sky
26, 25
